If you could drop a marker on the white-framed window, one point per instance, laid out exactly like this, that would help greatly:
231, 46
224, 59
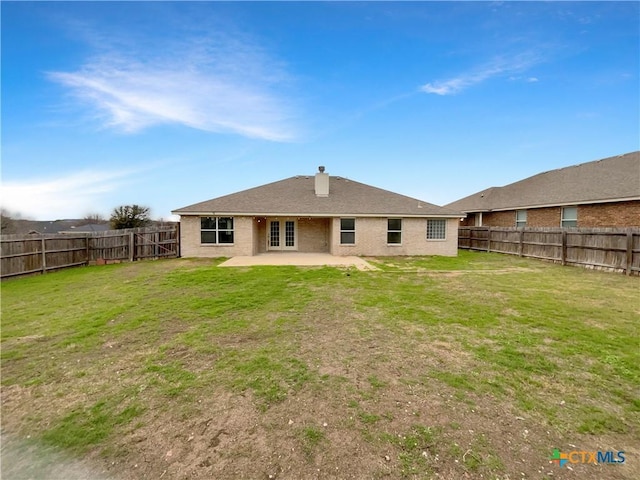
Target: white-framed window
569, 217
521, 218
436, 229
347, 231
394, 231
217, 230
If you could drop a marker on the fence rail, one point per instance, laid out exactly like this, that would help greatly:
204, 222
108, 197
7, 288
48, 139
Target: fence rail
28, 254
603, 248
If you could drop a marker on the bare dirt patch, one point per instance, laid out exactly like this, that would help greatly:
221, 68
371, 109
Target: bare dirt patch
370, 394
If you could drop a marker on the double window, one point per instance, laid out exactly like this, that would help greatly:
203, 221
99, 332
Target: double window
347, 231
394, 231
217, 230
569, 217
436, 229
521, 218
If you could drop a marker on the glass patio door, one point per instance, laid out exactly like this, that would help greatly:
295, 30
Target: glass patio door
282, 235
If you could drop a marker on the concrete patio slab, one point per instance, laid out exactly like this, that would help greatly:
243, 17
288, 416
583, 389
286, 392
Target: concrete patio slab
298, 259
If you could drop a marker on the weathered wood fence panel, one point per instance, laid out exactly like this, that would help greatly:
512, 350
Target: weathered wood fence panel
27, 254
605, 248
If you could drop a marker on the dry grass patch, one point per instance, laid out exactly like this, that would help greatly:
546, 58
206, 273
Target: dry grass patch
471, 367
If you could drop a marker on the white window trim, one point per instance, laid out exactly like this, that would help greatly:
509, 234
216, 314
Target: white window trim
444, 239
388, 231
563, 219
348, 231
282, 247
294, 247
526, 218
217, 244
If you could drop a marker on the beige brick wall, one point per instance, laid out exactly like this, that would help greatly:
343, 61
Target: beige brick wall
190, 245
323, 235
313, 235
371, 238
260, 241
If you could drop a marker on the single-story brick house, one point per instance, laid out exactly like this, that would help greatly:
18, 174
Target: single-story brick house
603, 193
319, 214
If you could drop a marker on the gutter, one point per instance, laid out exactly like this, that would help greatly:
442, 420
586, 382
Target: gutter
318, 215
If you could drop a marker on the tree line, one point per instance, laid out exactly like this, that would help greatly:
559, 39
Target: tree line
124, 216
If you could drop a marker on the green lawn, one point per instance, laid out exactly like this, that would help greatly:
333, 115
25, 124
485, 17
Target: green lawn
430, 367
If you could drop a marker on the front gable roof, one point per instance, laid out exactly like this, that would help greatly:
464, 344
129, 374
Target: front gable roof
296, 196
607, 180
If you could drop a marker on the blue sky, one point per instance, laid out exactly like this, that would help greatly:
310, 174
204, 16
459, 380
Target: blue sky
168, 104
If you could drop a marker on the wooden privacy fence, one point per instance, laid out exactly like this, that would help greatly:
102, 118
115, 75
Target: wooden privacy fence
27, 254
604, 248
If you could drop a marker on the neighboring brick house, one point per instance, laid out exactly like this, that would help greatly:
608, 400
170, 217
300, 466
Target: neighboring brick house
319, 214
603, 193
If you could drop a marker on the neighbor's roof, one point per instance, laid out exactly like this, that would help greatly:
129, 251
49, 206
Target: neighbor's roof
89, 227
296, 196
607, 180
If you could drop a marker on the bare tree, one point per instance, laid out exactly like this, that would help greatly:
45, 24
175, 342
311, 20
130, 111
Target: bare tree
94, 218
7, 225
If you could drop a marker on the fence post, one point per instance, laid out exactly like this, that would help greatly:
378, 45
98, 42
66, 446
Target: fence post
629, 252
178, 240
520, 242
44, 255
132, 247
86, 239
563, 253
488, 239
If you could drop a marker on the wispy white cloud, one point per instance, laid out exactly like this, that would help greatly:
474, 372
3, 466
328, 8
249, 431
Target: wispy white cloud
65, 196
498, 67
524, 79
215, 84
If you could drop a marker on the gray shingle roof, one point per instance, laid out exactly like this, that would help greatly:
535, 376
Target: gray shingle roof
609, 179
91, 227
296, 196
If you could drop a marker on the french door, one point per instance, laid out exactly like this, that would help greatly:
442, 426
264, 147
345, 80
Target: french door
282, 235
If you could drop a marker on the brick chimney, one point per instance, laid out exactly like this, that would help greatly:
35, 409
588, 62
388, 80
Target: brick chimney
322, 183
